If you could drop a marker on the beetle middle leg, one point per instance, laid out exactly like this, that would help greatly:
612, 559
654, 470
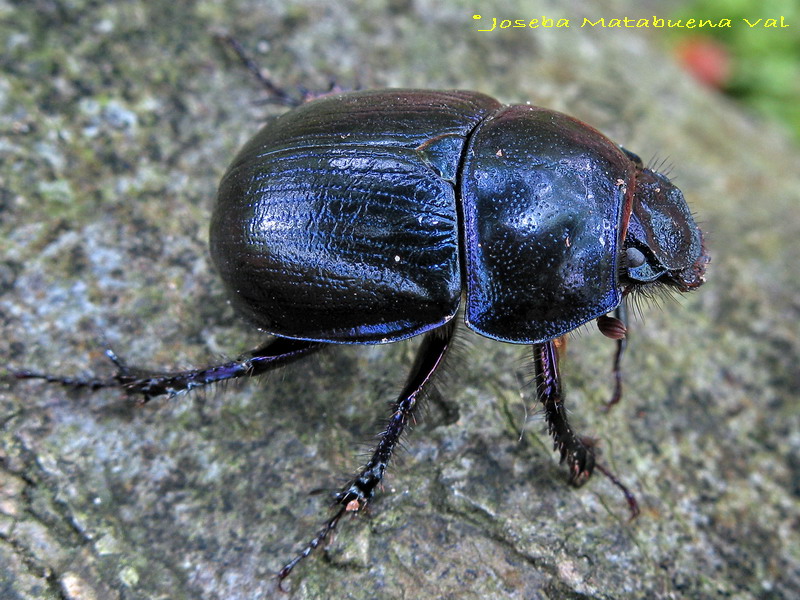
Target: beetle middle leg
149, 384
359, 491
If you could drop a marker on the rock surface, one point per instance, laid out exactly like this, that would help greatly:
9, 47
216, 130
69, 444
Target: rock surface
118, 119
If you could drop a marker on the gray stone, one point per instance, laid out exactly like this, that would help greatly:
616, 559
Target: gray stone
117, 120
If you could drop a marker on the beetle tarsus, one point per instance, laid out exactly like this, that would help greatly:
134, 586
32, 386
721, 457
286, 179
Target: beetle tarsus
71, 382
359, 491
278, 95
321, 536
633, 504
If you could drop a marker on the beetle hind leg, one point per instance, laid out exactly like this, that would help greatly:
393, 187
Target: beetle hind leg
359, 491
148, 384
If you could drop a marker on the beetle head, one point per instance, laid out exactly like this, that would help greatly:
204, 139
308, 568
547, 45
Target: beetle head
663, 244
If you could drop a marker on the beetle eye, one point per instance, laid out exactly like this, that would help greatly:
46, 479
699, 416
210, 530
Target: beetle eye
635, 257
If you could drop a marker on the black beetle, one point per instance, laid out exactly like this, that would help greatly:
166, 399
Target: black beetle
364, 218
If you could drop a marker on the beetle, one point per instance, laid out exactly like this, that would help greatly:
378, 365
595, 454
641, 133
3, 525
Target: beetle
374, 216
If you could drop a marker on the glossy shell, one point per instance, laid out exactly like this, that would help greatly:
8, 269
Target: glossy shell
362, 217
543, 209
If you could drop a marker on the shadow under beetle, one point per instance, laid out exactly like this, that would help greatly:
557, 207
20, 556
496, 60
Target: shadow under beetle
370, 217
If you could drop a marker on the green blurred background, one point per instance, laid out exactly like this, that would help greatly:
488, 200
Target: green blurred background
757, 65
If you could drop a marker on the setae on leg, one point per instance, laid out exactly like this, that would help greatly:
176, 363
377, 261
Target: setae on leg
578, 455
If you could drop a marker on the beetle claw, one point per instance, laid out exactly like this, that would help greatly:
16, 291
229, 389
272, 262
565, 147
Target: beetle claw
581, 465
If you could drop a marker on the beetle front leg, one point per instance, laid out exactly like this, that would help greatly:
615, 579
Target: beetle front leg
149, 384
616, 328
576, 451
359, 491
578, 455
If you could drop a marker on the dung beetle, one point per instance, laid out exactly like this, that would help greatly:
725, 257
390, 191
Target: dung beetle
370, 217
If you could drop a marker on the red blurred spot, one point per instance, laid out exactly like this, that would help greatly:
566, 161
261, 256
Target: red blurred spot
706, 59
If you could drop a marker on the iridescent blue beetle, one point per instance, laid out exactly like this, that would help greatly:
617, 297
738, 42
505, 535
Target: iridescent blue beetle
363, 217
371, 217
